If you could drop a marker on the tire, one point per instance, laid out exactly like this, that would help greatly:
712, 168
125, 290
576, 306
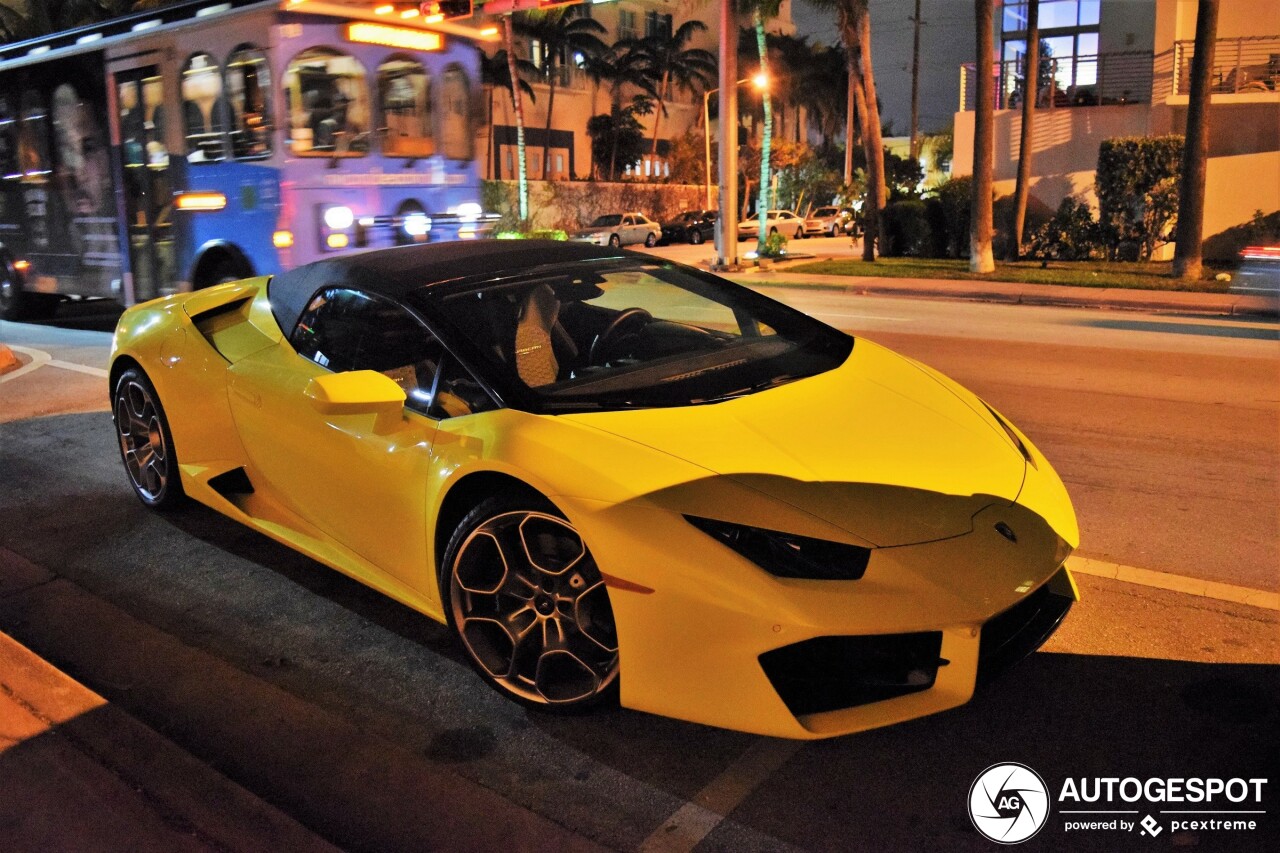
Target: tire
650, 241
146, 444
221, 271
542, 635
696, 238
800, 235
773, 231
834, 231
614, 241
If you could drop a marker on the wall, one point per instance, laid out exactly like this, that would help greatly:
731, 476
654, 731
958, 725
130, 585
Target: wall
572, 205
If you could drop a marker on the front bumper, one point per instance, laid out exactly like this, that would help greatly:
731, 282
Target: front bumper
721, 642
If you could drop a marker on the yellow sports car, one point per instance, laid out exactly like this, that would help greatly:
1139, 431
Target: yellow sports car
617, 478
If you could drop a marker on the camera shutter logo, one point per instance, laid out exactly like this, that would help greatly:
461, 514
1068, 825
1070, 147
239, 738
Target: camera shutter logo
1008, 803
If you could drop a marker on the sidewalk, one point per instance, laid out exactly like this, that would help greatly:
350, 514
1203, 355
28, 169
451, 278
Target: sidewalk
1016, 293
80, 774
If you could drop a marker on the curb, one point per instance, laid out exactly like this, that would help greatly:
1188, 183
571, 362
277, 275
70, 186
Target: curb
8, 361
1015, 293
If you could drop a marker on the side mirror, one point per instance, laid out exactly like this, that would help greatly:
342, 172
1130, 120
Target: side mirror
358, 392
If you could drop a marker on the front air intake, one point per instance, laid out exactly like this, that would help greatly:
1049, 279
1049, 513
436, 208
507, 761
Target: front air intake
831, 673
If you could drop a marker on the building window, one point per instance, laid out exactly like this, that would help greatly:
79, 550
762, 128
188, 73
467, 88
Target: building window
627, 24
1068, 71
657, 26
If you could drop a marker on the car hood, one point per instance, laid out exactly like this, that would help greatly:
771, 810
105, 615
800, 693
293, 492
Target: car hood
878, 447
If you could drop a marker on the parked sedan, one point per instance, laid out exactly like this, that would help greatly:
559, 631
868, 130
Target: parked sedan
692, 226
784, 222
830, 220
615, 478
620, 229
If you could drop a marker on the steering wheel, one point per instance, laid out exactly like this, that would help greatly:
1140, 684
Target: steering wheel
627, 316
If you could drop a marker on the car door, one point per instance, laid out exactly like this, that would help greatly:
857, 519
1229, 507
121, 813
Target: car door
355, 481
628, 229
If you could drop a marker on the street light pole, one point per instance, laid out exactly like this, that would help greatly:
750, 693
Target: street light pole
727, 222
706, 133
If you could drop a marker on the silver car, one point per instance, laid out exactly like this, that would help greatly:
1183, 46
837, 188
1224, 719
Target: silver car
620, 229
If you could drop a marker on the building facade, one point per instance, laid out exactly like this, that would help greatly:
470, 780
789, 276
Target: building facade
578, 97
1122, 68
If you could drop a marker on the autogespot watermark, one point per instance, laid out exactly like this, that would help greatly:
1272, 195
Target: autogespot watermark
1010, 803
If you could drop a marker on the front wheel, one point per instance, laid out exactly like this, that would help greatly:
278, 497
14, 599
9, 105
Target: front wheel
800, 233
650, 241
146, 444
614, 241
525, 596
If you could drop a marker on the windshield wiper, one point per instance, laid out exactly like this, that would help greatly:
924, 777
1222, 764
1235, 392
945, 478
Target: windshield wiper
763, 385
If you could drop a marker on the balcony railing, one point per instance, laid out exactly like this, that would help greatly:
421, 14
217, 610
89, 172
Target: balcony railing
1247, 64
1067, 81
1241, 65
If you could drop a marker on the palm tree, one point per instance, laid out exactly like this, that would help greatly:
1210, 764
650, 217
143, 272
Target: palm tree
44, 18
561, 34
495, 74
980, 258
1030, 73
854, 21
517, 105
622, 64
671, 63
1187, 254
759, 10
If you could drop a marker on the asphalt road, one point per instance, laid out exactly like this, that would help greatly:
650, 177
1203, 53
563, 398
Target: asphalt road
351, 713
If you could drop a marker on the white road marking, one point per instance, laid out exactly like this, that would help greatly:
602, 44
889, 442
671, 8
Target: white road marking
1176, 583
695, 820
40, 358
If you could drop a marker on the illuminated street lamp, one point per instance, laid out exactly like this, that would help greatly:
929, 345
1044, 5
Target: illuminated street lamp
760, 81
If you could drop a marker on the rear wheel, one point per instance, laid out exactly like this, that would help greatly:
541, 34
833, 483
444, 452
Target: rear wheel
650, 241
522, 591
695, 237
146, 445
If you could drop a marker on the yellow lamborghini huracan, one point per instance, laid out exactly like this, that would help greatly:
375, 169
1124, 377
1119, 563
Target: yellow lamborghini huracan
615, 477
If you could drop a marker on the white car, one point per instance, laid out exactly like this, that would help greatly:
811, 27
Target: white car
621, 229
784, 222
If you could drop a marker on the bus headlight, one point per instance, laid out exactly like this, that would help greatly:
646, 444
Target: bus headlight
417, 224
339, 217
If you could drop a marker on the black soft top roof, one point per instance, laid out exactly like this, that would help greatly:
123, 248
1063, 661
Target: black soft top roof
395, 272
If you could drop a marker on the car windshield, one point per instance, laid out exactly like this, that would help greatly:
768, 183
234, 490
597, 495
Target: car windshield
626, 333
607, 221
688, 216
825, 211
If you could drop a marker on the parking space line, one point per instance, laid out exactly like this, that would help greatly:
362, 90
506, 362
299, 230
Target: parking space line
40, 358
1176, 583
695, 820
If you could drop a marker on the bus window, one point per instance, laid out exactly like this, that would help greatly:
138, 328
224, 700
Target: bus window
249, 91
404, 96
456, 137
33, 138
8, 137
328, 107
204, 109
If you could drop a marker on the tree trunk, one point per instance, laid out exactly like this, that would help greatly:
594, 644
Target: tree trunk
546, 141
657, 115
517, 103
855, 26
1187, 258
1030, 74
489, 154
980, 227
915, 82
766, 138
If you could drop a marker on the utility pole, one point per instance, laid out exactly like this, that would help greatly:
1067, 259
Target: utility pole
915, 84
849, 131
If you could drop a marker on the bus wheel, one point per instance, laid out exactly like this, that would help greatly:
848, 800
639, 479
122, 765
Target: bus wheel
17, 304
219, 268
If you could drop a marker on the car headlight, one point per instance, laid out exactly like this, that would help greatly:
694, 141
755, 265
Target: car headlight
787, 555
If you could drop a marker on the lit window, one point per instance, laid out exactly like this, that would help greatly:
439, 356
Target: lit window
404, 97
204, 109
249, 92
328, 108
